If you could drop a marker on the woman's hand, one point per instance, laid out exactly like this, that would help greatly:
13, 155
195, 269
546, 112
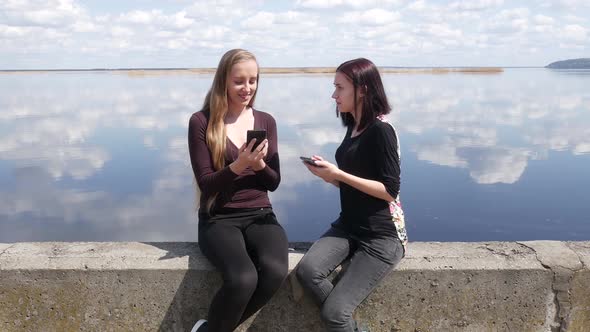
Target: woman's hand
332, 174
324, 170
248, 157
259, 164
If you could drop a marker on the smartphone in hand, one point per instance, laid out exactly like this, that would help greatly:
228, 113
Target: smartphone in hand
309, 161
260, 136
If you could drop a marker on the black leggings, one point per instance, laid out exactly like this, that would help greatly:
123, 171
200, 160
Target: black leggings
250, 249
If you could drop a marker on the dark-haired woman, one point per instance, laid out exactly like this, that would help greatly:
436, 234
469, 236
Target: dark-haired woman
370, 230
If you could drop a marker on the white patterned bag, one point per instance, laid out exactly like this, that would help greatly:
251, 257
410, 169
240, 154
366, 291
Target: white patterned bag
395, 207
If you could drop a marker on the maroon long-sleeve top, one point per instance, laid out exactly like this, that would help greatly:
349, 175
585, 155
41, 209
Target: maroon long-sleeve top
246, 190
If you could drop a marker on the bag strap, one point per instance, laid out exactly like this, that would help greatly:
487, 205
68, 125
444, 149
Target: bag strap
382, 118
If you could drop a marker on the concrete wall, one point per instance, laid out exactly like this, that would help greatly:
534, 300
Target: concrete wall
495, 286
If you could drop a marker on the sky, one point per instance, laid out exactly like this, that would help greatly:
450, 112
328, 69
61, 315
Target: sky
68, 34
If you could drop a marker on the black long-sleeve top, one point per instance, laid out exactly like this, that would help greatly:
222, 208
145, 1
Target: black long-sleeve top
246, 190
371, 155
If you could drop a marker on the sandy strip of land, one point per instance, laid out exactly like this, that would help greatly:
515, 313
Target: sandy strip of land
272, 70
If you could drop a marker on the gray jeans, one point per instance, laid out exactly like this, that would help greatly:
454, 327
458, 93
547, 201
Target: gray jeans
370, 261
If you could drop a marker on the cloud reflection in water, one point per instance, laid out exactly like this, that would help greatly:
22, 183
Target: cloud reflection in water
476, 134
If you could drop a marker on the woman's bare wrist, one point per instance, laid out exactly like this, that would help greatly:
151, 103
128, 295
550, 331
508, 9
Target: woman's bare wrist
259, 166
237, 167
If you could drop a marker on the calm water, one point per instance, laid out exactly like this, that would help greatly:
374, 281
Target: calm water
103, 156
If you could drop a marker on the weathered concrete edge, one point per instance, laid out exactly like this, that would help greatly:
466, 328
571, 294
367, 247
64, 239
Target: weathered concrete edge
186, 255
563, 260
578, 247
3, 248
559, 261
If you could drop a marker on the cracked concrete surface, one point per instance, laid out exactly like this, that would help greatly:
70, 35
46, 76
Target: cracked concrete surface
485, 286
564, 263
580, 289
582, 249
555, 254
3, 248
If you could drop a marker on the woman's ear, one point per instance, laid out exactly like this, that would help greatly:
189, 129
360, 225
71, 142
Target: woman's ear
362, 90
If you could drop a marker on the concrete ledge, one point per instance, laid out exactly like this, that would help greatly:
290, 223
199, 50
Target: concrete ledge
492, 286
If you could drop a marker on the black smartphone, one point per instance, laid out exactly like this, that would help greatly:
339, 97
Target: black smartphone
308, 161
260, 135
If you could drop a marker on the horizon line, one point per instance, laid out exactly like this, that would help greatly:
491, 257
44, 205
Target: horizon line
212, 69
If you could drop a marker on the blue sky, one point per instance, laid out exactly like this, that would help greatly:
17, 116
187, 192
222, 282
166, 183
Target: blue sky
55, 34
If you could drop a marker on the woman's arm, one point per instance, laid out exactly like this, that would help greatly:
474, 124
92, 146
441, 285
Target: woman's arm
332, 174
208, 179
369, 187
386, 159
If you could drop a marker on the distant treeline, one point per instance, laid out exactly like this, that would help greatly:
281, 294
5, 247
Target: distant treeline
583, 63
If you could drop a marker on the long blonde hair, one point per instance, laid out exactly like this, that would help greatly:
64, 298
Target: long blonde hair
216, 104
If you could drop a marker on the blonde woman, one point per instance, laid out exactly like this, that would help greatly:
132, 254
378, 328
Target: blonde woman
238, 231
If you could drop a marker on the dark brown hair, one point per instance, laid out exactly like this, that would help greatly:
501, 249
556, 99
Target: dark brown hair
364, 75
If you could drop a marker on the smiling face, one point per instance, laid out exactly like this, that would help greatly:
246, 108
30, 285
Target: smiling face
344, 94
241, 84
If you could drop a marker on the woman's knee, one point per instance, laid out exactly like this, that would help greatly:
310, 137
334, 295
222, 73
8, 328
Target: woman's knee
333, 315
273, 269
244, 280
306, 272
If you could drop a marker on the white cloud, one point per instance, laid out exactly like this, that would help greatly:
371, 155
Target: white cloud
475, 5
215, 32
543, 20
543, 24
260, 21
514, 14
441, 154
370, 17
290, 17
574, 19
500, 165
319, 4
66, 34
140, 16
417, 5
85, 26
441, 31
582, 148
222, 10
574, 137
575, 32
326, 4
566, 4
511, 21
119, 31
76, 161
52, 13
12, 31
157, 19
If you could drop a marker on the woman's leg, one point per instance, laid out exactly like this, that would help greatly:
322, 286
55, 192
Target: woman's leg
321, 259
267, 242
368, 266
223, 244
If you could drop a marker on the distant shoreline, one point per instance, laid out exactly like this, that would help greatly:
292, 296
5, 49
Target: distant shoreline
581, 63
266, 70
